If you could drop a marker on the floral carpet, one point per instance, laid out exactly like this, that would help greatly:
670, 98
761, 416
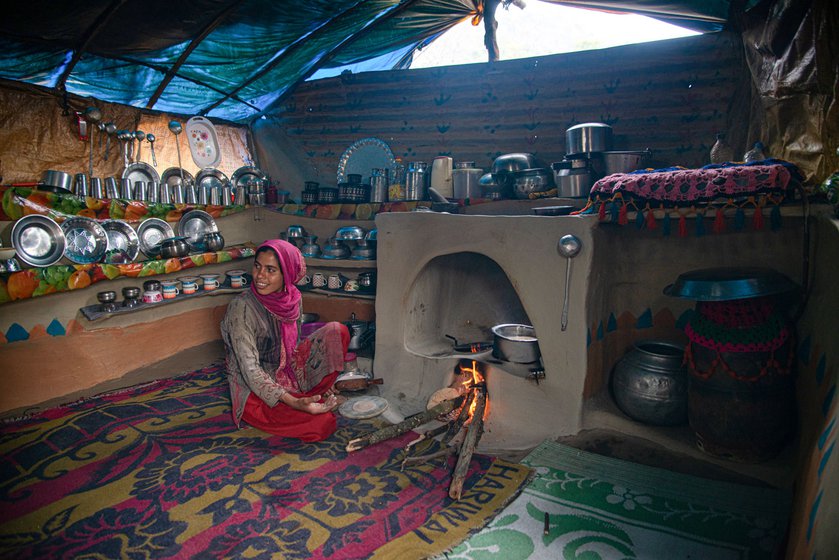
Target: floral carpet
600, 508
160, 471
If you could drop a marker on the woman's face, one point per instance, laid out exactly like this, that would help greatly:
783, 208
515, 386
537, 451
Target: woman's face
267, 274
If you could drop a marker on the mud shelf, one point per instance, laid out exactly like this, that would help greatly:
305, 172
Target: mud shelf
95, 313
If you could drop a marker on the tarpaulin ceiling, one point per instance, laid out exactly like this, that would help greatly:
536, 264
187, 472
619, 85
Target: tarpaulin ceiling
233, 59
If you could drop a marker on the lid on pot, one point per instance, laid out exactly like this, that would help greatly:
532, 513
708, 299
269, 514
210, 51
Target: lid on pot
728, 283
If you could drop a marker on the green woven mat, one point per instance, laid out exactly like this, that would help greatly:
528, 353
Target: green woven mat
602, 508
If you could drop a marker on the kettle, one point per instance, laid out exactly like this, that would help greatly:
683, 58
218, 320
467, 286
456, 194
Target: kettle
361, 333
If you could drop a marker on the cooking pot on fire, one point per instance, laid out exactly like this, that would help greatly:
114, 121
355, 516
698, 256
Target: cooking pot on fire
515, 343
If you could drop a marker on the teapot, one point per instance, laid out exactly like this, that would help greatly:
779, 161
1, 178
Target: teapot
361, 333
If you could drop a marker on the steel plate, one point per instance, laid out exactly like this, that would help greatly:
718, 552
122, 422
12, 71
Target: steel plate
151, 233
722, 284
86, 240
363, 156
38, 240
194, 224
247, 176
212, 178
123, 242
172, 177
140, 171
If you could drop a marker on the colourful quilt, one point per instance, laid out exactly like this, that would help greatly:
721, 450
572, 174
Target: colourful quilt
160, 471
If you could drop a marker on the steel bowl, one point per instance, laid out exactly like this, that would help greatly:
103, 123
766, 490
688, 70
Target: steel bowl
173, 247
350, 233
529, 181
515, 343
505, 165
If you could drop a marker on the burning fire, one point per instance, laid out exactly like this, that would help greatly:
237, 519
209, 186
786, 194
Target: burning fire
473, 377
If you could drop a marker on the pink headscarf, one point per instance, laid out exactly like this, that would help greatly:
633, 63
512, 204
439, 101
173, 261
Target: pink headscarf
285, 304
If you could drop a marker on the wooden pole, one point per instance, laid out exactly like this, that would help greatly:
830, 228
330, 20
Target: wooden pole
473, 434
408, 424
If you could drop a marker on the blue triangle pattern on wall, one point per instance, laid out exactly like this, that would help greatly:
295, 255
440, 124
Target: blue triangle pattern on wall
612, 324
55, 328
16, 333
645, 321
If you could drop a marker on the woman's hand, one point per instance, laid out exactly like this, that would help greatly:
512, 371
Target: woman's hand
313, 405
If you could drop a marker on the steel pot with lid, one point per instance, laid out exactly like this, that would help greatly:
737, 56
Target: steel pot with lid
571, 181
586, 138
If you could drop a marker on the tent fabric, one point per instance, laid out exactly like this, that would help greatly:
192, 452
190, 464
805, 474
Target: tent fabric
234, 60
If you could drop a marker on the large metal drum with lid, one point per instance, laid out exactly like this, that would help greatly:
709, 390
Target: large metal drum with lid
740, 361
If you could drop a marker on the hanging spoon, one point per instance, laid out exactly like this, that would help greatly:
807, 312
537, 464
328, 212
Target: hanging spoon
140, 136
569, 247
111, 129
150, 138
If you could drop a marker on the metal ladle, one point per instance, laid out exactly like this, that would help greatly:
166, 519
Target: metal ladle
176, 128
111, 129
150, 137
569, 247
140, 136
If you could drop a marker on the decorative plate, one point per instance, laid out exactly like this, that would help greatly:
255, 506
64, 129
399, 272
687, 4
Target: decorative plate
38, 240
246, 176
151, 233
194, 224
212, 178
172, 176
140, 171
86, 240
363, 407
123, 242
363, 156
203, 142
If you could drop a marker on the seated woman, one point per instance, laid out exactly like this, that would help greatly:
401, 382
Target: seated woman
277, 384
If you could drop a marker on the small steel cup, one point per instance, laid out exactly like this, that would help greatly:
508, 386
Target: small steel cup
97, 188
239, 196
215, 196
204, 195
111, 189
178, 193
165, 193
227, 196
153, 192
81, 185
126, 190
190, 195
140, 190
